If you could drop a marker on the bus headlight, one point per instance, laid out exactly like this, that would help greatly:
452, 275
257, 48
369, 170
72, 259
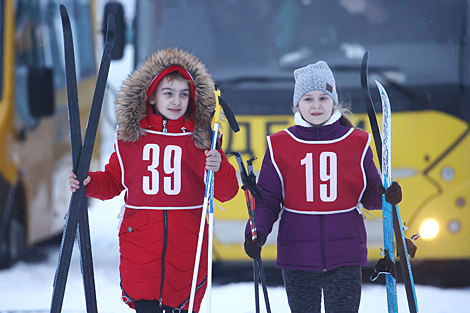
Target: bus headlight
429, 229
454, 226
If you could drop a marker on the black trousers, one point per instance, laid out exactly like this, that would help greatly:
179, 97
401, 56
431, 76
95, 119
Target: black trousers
148, 306
341, 288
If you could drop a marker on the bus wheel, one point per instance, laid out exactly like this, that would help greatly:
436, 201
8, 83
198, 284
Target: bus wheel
13, 246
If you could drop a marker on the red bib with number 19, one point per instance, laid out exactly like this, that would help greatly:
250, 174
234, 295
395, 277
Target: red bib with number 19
320, 177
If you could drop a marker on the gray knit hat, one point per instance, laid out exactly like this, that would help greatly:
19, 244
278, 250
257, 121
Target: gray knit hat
316, 76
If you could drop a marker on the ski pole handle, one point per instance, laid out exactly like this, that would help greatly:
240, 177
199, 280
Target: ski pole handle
249, 205
218, 108
251, 213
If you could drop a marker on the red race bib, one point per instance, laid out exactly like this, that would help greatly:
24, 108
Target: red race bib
162, 171
320, 177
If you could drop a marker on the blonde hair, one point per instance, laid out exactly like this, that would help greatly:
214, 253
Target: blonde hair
346, 114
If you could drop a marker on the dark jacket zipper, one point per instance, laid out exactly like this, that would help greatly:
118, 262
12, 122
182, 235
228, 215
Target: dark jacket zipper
165, 239
165, 121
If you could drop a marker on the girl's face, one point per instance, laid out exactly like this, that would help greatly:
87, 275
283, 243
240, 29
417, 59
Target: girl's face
316, 107
171, 98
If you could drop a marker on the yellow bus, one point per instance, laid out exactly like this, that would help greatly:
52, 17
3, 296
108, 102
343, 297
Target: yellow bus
34, 133
420, 52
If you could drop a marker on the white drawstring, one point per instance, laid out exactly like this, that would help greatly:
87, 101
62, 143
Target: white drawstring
121, 216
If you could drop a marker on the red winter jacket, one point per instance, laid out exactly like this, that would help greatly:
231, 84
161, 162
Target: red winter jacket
158, 246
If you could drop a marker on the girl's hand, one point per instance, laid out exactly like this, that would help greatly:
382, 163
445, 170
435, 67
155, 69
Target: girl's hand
74, 183
393, 194
213, 160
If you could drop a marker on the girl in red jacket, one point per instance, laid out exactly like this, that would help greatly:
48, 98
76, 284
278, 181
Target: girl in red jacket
160, 160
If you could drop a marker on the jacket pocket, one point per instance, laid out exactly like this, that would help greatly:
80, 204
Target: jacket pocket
345, 226
134, 220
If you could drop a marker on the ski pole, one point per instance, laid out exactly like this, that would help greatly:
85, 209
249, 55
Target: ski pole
256, 285
254, 236
210, 245
209, 181
209, 197
254, 190
263, 284
215, 125
251, 194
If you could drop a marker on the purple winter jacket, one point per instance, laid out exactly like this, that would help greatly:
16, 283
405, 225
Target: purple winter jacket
314, 242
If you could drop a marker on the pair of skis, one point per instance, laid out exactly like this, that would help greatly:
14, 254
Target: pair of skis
390, 213
81, 158
251, 194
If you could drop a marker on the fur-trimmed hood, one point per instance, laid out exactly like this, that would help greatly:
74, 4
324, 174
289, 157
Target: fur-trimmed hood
132, 102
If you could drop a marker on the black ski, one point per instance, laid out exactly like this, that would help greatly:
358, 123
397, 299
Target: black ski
81, 158
403, 244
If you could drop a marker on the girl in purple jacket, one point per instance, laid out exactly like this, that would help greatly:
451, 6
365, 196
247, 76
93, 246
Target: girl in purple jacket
315, 178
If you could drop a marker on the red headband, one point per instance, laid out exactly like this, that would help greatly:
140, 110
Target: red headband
168, 70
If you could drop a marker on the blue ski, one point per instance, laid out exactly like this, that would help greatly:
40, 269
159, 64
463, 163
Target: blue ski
392, 219
387, 211
393, 210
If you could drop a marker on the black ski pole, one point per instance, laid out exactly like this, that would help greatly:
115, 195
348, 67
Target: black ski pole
264, 285
251, 194
256, 284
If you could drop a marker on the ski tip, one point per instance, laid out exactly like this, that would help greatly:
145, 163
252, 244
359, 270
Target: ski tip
380, 87
365, 59
384, 96
111, 29
63, 12
364, 74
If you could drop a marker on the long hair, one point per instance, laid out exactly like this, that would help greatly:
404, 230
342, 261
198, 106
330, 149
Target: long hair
346, 114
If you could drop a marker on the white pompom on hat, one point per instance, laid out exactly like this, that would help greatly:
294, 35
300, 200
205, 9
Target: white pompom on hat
316, 76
